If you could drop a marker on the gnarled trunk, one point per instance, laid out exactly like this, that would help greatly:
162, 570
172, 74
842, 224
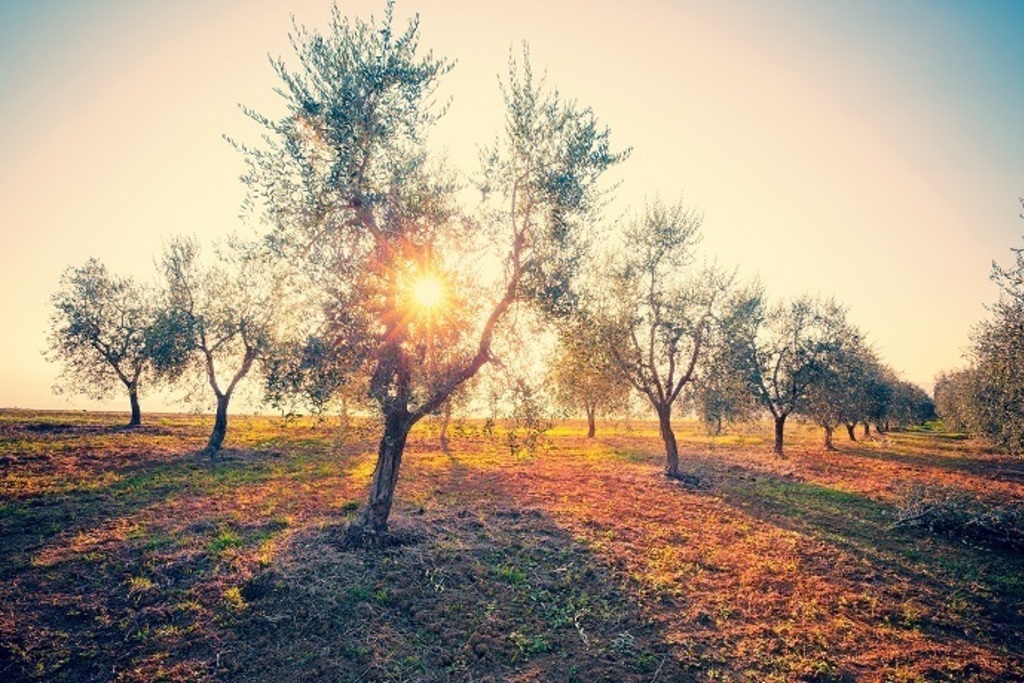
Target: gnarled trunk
220, 424
867, 429
829, 446
133, 397
780, 430
669, 437
591, 424
372, 523
849, 430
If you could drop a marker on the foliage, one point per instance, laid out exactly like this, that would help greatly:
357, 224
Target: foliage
911, 405
583, 374
101, 331
349, 189
783, 352
839, 396
718, 395
658, 310
216, 319
953, 399
987, 398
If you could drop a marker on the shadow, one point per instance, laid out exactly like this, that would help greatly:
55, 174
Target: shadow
130, 572
1000, 468
990, 577
492, 592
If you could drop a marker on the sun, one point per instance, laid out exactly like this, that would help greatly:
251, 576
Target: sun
427, 292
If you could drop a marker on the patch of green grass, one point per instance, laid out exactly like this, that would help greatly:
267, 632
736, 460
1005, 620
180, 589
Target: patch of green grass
512, 574
223, 541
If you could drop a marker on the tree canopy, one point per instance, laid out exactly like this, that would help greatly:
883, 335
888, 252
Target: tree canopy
348, 185
101, 332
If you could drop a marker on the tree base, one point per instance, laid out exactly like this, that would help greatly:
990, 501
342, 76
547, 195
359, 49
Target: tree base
689, 480
356, 535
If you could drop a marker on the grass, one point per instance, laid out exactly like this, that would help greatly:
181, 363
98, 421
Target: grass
128, 556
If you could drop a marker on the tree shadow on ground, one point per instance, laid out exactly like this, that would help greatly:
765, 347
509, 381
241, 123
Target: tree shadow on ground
488, 593
990, 577
992, 466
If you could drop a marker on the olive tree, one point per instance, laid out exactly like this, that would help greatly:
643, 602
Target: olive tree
584, 375
346, 181
100, 329
658, 310
782, 351
954, 403
215, 319
839, 395
987, 397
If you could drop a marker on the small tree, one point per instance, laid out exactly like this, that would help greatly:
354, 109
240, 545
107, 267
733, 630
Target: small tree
346, 182
99, 333
838, 397
719, 395
656, 318
584, 375
215, 321
781, 352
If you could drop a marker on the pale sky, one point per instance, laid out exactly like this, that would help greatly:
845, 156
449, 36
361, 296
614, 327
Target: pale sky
869, 149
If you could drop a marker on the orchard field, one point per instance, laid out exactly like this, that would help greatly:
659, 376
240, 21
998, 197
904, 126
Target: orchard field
127, 555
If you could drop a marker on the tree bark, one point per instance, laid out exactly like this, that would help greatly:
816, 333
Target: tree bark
867, 429
669, 437
133, 397
849, 430
780, 429
591, 424
372, 523
220, 424
829, 446
446, 418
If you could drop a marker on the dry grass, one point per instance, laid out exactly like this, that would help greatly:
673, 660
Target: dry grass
128, 556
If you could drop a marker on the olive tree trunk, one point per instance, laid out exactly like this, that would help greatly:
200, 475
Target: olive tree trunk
780, 432
829, 446
133, 398
849, 430
372, 522
669, 437
220, 424
591, 421
446, 418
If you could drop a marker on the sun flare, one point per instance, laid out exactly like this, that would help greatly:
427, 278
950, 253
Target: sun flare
427, 292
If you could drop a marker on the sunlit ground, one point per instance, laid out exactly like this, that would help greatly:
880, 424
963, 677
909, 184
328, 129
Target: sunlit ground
129, 556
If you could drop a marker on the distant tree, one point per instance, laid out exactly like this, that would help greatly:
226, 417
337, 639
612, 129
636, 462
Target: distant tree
988, 397
876, 392
838, 395
783, 351
584, 376
911, 405
99, 330
954, 401
998, 355
719, 395
345, 180
656, 316
215, 320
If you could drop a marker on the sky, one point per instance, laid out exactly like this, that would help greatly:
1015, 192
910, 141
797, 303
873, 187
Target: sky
869, 150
